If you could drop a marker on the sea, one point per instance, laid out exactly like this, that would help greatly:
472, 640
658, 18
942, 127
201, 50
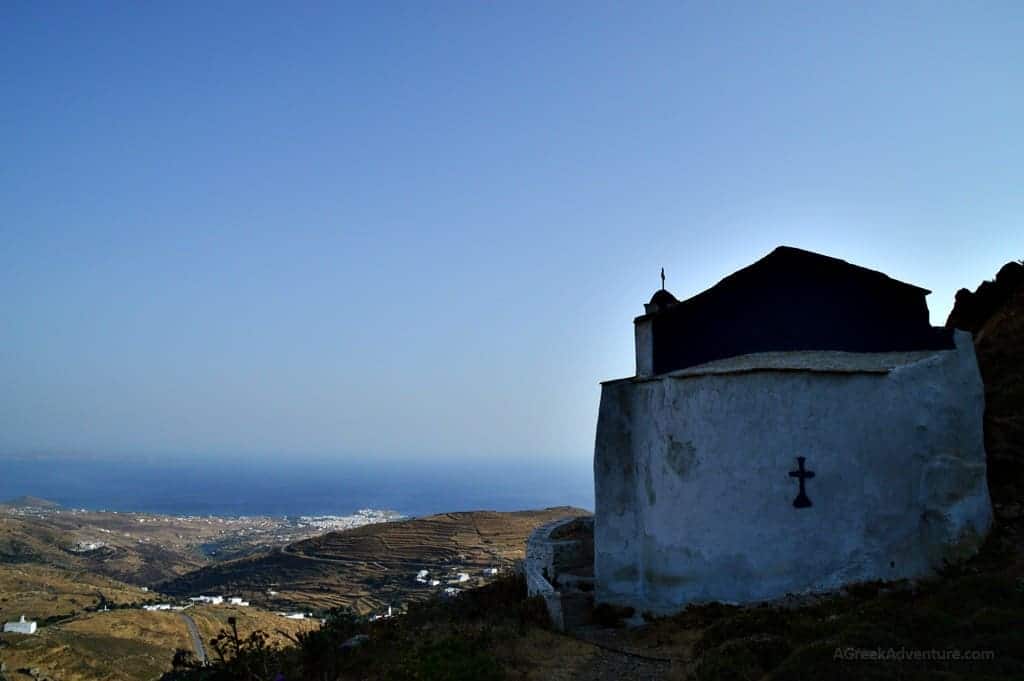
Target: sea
293, 487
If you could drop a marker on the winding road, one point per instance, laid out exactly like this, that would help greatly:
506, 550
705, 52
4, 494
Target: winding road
197, 640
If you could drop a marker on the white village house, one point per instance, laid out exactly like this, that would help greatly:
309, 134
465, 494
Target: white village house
22, 626
797, 427
459, 578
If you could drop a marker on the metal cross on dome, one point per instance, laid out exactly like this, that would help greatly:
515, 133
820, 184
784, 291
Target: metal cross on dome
662, 278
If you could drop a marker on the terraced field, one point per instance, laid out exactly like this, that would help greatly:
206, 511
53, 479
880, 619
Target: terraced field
371, 567
476, 538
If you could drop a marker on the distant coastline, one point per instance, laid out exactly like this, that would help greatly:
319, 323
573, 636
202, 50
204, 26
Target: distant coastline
283, 490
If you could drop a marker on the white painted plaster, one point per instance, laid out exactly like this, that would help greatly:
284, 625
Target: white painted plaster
694, 501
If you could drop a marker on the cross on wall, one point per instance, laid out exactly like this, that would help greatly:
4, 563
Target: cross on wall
802, 500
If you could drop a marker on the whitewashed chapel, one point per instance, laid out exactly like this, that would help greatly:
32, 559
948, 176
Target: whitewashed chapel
796, 427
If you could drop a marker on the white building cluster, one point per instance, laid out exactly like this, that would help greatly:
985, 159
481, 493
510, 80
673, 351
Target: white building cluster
219, 600
364, 516
454, 577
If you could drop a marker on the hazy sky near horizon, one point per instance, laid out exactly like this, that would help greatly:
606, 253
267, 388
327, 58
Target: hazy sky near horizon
401, 230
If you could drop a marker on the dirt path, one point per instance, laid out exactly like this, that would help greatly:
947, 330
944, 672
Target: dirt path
608, 665
197, 640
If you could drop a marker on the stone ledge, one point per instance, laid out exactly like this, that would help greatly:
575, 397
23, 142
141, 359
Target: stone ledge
562, 547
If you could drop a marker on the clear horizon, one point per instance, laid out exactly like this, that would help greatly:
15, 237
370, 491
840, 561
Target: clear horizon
417, 232
223, 488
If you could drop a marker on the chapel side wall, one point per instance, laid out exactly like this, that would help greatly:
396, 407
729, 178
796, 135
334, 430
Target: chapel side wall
899, 482
957, 509
615, 567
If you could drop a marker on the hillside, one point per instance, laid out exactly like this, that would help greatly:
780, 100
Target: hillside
369, 567
50, 593
79, 639
138, 548
30, 502
131, 645
121, 555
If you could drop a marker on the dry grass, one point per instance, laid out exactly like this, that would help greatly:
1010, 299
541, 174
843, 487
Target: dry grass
41, 592
542, 655
210, 620
132, 645
116, 645
120, 645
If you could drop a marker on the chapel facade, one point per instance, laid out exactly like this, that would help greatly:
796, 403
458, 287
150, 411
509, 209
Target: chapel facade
796, 427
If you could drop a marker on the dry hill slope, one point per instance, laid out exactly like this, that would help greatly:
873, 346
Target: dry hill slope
44, 592
369, 567
53, 541
130, 645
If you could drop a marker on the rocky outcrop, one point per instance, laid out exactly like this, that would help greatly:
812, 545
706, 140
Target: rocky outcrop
973, 309
994, 314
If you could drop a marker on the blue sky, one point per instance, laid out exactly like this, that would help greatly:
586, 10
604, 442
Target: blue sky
387, 231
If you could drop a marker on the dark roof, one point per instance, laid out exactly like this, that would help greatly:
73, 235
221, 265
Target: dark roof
787, 262
792, 300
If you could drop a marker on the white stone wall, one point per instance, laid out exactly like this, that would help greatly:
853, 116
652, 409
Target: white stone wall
694, 501
547, 558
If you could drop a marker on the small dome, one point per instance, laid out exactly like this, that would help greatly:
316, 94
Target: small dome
659, 301
662, 297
